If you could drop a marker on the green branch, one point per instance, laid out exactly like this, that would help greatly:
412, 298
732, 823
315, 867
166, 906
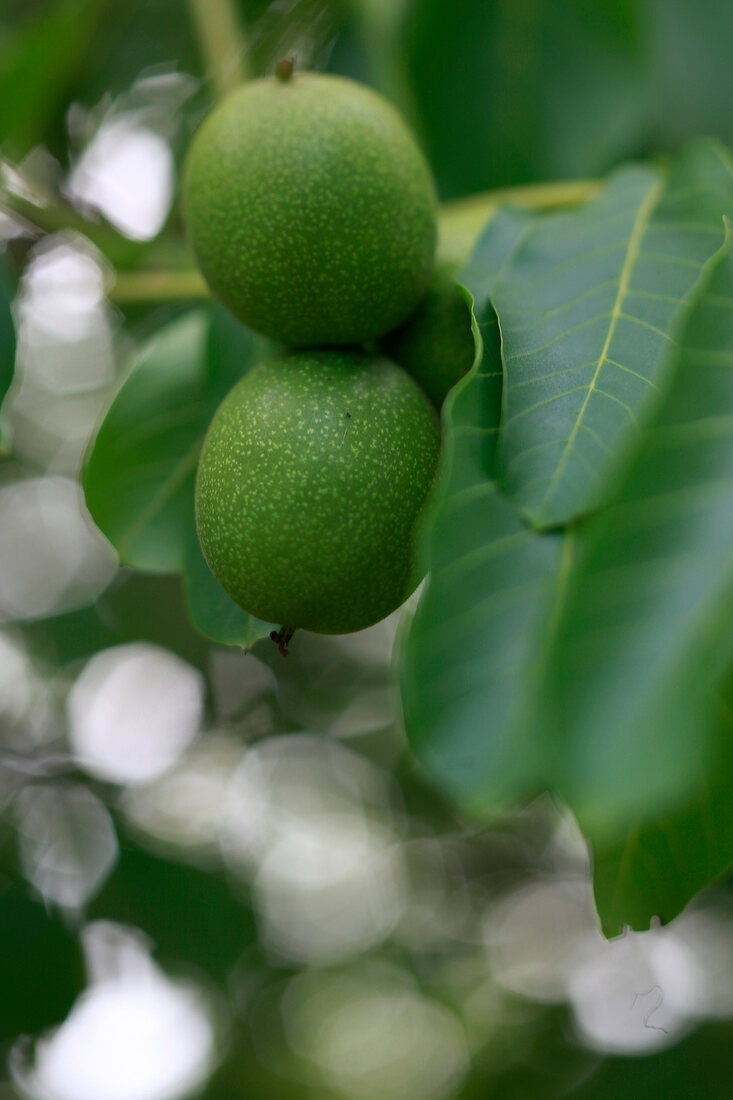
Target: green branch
157, 286
222, 43
461, 221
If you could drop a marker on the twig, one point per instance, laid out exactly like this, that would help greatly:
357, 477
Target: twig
461, 220
157, 286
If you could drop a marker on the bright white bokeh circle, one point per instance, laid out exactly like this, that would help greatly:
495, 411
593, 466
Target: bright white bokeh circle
128, 173
133, 1034
51, 556
132, 712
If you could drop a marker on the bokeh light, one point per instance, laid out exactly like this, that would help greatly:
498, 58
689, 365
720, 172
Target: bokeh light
183, 807
633, 995
27, 711
533, 934
66, 360
371, 1033
311, 823
51, 557
67, 842
132, 711
127, 173
134, 1034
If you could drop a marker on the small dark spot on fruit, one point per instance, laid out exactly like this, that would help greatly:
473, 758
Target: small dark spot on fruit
284, 69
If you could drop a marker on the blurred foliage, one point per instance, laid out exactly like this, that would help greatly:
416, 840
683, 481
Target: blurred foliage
189, 913
37, 66
121, 614
42, 965
501, 93
7, 333
691, 1070
510, 91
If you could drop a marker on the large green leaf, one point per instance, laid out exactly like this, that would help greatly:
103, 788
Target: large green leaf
503, 603
588, 310
139, 479
664, 860
7, 334
647, 628
469, 651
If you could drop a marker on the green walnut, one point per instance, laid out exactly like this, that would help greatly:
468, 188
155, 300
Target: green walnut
311, 210
311, 479
435, 345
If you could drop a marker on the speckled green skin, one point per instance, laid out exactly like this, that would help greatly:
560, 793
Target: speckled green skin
435, 345
310, 480
311, 210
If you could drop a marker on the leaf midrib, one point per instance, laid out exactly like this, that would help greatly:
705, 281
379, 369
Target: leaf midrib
640, 226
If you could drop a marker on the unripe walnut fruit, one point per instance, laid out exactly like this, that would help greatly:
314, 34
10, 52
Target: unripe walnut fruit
435, 345
311, 210
310, 482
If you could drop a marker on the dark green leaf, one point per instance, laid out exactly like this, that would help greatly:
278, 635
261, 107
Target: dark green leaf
468, 676
469, 652
137, 37
231, 351
132, 37
597, 92
646, 630
588, 310
476, 407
